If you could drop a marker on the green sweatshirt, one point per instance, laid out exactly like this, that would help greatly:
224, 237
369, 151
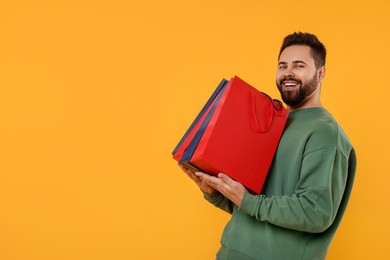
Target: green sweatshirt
303, 200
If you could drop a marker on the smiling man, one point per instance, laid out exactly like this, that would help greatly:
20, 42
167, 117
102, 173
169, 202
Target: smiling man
311, 177
299, 76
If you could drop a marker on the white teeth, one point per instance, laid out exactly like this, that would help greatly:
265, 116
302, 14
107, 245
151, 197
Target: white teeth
290, 84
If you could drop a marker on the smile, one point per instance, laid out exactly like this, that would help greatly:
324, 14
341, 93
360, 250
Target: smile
290, 84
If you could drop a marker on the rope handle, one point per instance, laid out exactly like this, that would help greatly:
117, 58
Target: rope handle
276, 104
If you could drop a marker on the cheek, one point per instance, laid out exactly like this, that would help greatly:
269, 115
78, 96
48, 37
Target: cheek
278, 77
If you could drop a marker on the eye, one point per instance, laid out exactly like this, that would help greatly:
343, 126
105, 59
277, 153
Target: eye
282, 67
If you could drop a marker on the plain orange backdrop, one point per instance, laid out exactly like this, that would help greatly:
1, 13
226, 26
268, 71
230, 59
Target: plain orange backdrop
94, 95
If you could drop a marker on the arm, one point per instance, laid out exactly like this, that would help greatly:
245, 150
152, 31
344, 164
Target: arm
314, 205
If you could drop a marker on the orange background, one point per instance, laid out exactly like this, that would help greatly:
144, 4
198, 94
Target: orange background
94, 95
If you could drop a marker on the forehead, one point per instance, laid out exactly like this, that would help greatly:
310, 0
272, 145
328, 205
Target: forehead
296, 53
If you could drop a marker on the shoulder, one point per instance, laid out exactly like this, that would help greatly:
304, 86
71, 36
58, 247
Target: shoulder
325, 132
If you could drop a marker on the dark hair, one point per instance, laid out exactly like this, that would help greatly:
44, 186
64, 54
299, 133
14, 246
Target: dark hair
318, 49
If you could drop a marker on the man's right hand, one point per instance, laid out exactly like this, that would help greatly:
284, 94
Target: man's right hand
204, 187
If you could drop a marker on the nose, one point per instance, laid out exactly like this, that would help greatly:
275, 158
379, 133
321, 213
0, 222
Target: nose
288, 73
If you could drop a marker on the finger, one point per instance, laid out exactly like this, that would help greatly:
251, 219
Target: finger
210, 180
204, 176
226, 179
201, 174
189, 173
184, 168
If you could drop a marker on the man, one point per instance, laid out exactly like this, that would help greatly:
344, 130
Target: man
310, 180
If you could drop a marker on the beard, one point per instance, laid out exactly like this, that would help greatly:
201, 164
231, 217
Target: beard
297, 97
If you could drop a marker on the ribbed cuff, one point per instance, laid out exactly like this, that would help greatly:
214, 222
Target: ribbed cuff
249, 202
213, 197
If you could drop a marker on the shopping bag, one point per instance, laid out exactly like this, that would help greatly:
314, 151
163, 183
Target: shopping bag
238, 135
194, 127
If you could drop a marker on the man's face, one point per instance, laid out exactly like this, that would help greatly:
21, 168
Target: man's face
297, 76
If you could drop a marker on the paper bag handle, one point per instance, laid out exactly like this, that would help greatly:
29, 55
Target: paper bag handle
255, 117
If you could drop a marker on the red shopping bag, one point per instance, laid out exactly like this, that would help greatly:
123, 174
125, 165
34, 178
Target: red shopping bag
189, 135
238, 135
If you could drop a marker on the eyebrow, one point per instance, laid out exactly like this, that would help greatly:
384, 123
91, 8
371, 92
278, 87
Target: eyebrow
294, 62
299, 61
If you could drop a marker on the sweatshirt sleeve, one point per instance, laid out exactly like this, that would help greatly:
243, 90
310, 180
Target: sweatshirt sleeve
220, 201
318, 194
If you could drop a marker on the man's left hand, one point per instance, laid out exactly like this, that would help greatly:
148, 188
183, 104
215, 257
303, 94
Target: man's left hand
230, 188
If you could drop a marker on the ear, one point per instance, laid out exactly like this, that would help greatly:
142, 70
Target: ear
321, 73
